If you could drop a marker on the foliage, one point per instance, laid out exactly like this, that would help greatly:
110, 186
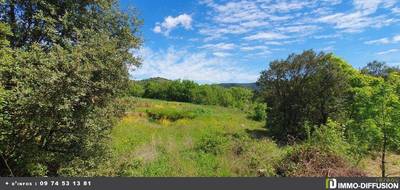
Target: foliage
308, 161
174, 114
379, 69
308, 87
135, 89
66, 63
259, 112
211, 144
189, 91
214, 143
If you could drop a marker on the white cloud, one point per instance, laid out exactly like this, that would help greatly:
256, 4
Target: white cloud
394, 39
222, 54
266, 36
328, 49
171, 23
197, 66
253, 48
157, 29
388, 51
369, 6
294, 19
356, 21
299, 28
219, 46
284, 6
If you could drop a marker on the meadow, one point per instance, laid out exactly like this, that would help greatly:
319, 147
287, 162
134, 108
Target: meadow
204, 141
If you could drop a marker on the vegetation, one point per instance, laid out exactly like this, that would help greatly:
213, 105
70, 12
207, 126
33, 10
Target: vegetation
213, 141
189, 91
303, 88
311, 89
62, 63
68, 108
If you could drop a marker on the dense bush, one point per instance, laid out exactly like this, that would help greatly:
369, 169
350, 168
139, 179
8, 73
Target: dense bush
259, 112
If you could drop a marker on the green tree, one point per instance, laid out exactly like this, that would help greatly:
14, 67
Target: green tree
70, 62
136, 89
379, 69
308, 87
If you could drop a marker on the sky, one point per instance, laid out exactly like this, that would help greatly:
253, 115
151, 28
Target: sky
219, 41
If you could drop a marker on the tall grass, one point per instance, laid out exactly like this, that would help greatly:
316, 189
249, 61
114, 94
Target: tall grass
158, 138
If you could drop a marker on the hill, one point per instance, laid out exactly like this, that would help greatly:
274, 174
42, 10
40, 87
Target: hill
252, 86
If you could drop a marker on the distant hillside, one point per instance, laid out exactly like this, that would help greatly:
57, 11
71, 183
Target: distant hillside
244, 85
156, 79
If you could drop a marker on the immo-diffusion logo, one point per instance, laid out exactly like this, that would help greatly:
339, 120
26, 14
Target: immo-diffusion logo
332, 183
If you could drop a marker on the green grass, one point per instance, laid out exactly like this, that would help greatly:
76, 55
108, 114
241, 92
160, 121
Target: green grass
159, 138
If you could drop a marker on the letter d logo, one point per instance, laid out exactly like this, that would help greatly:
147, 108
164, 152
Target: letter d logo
331, 183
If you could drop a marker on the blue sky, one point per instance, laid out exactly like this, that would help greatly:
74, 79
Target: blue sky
213, 41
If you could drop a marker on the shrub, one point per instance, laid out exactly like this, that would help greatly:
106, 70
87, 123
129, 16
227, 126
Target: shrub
174, 114
309, 161
136, 90
259, 112
211, 143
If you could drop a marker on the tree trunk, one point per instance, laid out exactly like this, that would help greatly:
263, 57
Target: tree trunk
383, 167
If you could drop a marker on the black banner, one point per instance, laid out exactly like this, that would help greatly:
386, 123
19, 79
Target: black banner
239, 183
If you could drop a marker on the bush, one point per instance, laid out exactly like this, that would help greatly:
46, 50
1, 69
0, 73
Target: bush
174, 114
211, 143
309, 161
136, 90
259, 112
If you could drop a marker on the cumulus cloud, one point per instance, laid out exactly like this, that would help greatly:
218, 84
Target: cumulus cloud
170, 23
197, 66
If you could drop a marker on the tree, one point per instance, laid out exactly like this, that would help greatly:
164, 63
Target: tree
308, 87
374, 115
70, 63
379, 69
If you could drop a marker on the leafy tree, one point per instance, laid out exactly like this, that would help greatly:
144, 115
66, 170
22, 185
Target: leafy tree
308, 87
379, 69
181, 91
69, 64
374, 120
242, 96
136, 89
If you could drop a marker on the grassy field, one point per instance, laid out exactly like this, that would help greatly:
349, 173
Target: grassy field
160, 138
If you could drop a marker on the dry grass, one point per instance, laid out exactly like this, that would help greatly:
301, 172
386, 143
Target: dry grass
372, 165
